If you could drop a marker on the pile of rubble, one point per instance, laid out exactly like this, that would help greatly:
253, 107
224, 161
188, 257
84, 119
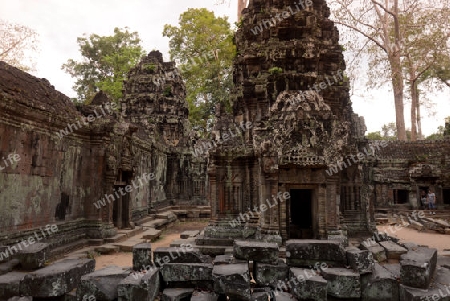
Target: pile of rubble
417, 220
381, 268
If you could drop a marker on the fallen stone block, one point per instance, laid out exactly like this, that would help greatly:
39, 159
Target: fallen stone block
418, 267
8, 266
360, 260
139, 286
34, 256
381, 285
378, 252
57, 279
283, 296
102, 284
204, 296
416, 225
21, 298
307, 252
393, 250
342, 283
10, 284
142, 256
232, 280
256, 251
260, 296
186, 272
179, 255
189, 234
307, 284
4, 254
438, 291
176, 294
268, 274
106, 249
227, 259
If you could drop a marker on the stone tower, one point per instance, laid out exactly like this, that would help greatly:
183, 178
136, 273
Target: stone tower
291, 92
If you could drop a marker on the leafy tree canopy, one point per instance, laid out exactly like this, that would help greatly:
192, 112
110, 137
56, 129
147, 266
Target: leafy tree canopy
105, 63
202, 45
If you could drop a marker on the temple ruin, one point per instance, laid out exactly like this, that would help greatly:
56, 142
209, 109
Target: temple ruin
287, 179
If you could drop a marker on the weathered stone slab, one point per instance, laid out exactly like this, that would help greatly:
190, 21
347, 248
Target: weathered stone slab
204, 296
142, 256
56, 279
418, 267
381, 285
378, 252
360, 260
309, 285
393, 250
189, 234
102, 284
4, 254
416, 225
260, 296
139, 286
21, 298
187, 272
34, 256
179, 255
8, 266
307, 252
438, 291
227, 259
283, 296
342, 283
107, 249
176, 294
256, 251
10, 284
268, 274
232, 280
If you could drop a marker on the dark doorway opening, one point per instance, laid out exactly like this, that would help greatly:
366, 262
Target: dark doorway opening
446, 196
121, 208
401, 196
300, 214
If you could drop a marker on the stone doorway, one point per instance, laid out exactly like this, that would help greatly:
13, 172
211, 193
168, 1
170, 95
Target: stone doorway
121, 210
300, 214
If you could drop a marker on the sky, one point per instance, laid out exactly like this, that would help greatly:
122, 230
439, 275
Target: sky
60, 22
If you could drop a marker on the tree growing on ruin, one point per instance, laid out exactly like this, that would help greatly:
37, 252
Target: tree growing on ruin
105, 64
17, 43
202, 45
394, 33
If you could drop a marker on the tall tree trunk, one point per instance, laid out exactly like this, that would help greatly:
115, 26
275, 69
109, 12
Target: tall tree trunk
414, 100
419, 119
397, 86
241, 5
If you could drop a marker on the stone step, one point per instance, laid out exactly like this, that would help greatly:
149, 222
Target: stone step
144, 220
127, 246
189, 234
59, 252
151, 234
107, 249
117, 238
156, 224
132, 232
201, 240
169, 215
179, 242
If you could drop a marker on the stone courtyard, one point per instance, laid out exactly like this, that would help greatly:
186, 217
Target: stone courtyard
292, 198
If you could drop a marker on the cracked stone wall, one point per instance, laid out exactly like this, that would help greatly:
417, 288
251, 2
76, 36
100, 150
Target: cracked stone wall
403, 169
67, 164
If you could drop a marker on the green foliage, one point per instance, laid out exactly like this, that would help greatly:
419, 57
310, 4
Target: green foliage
167, 91
438, 135
105, 64
202, 45
374, 136
151, 68
275, 70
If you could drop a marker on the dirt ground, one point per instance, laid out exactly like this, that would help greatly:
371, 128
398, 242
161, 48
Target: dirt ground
434, 240
125, 259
